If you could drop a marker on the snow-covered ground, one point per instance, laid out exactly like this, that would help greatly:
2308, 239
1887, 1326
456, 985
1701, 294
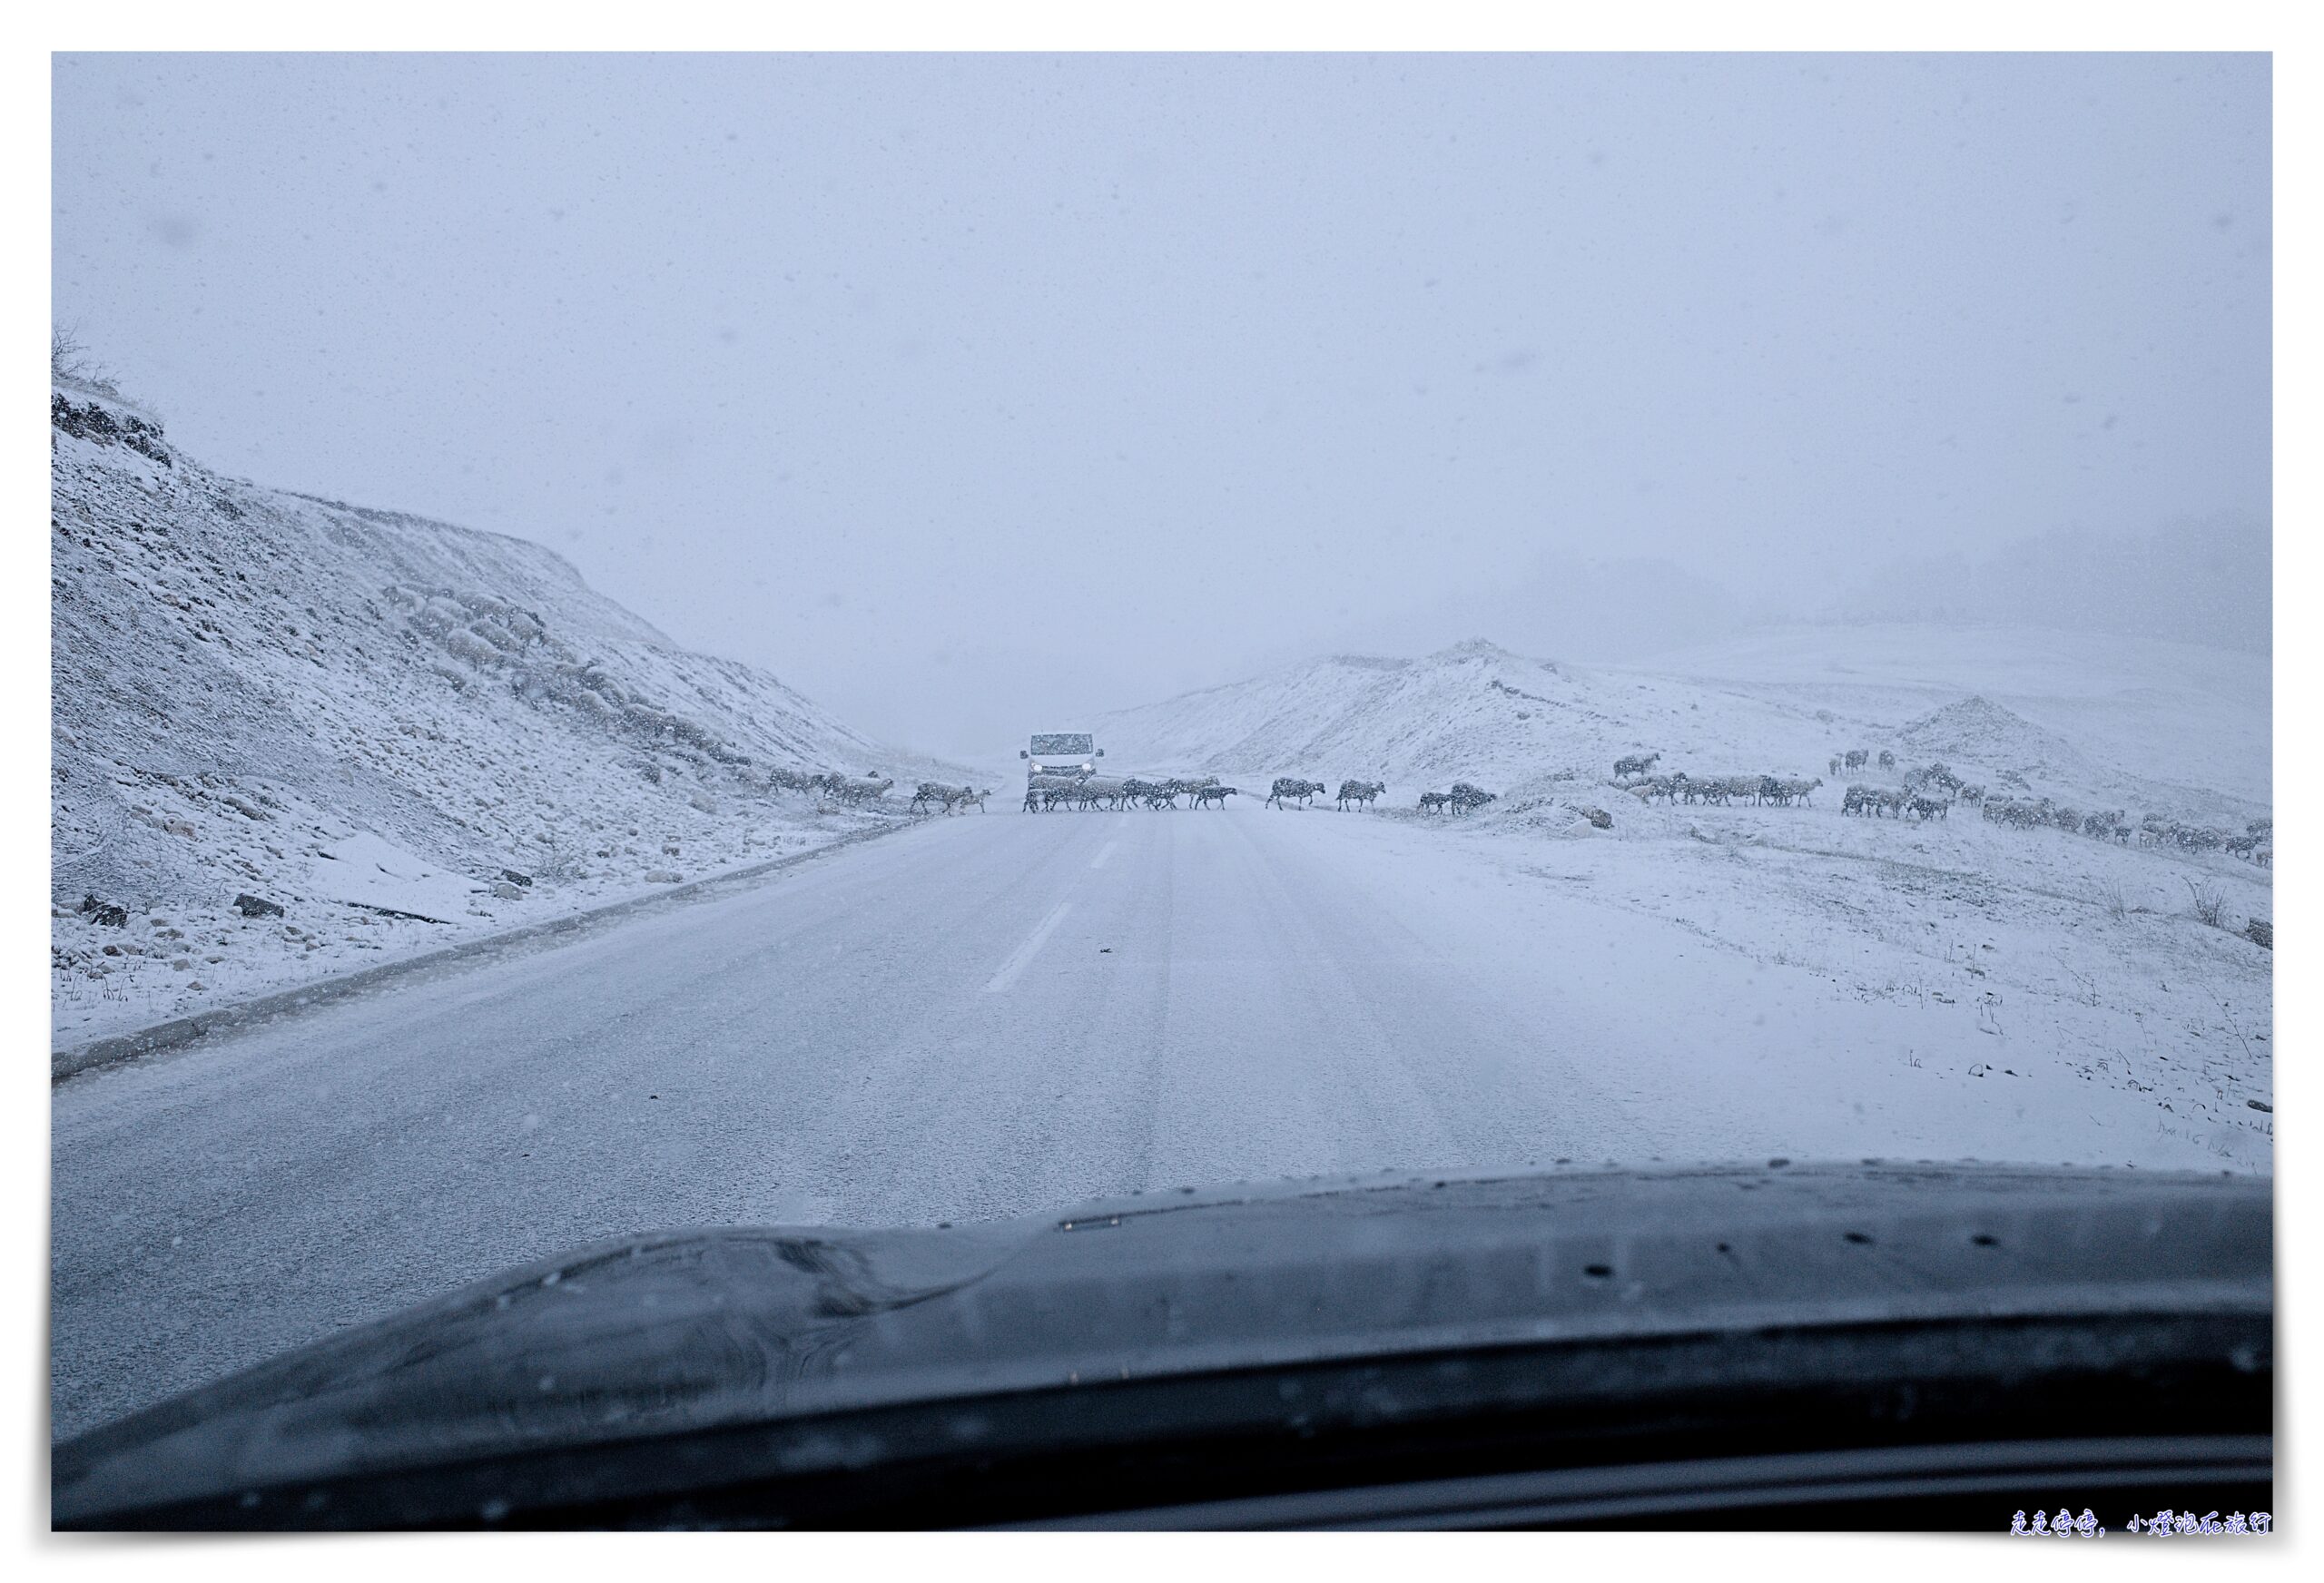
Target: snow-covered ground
2011, 967
1005, 1014
402, 732
407, 736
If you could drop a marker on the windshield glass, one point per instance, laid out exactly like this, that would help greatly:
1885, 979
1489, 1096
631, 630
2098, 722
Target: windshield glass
898, 641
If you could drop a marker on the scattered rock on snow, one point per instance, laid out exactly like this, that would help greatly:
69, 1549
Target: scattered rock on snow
250, 905
387, 912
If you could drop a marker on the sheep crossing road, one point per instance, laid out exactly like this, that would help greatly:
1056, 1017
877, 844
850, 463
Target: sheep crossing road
970, 1017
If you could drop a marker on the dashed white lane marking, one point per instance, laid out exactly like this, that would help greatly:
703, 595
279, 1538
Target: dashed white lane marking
1022, 956
1103, 853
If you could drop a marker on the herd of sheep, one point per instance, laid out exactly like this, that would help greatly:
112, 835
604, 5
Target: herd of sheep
1925, 792
1634, 774
1463, 798
2256, 843
831, 786
1046, 793
1929, 791
1782, 791
932, 794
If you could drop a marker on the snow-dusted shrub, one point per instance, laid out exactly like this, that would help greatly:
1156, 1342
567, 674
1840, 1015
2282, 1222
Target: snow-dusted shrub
69, 360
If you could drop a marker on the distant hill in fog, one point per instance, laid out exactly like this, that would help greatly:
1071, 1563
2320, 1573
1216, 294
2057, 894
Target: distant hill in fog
2208, 582
1617, 609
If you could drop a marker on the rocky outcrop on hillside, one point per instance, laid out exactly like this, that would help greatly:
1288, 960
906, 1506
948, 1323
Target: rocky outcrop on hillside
100, 424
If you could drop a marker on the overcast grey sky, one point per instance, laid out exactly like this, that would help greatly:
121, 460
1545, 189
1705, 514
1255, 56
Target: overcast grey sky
973, 394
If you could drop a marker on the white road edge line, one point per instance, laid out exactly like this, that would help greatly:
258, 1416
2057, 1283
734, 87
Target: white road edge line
1023, 956
1103, 853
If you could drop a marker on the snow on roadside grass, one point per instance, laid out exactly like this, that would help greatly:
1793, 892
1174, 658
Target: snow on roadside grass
172, 962
1853, 986
1842, 984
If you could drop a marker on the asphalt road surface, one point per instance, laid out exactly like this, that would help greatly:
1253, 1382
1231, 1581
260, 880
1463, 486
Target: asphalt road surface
983, 1016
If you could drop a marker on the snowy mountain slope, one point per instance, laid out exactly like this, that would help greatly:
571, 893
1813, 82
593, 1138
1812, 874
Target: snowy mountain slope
250, 685
1473, 709
2096, 720
2170, 712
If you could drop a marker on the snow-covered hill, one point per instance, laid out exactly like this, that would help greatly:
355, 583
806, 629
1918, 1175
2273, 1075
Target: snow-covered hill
355, 713
2186, 719
2098, 721
2008, 962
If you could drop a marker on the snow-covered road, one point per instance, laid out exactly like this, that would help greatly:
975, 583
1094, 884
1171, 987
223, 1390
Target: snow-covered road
980, 1015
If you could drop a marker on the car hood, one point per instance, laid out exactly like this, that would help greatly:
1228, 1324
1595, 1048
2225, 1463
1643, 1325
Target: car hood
678, 1331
